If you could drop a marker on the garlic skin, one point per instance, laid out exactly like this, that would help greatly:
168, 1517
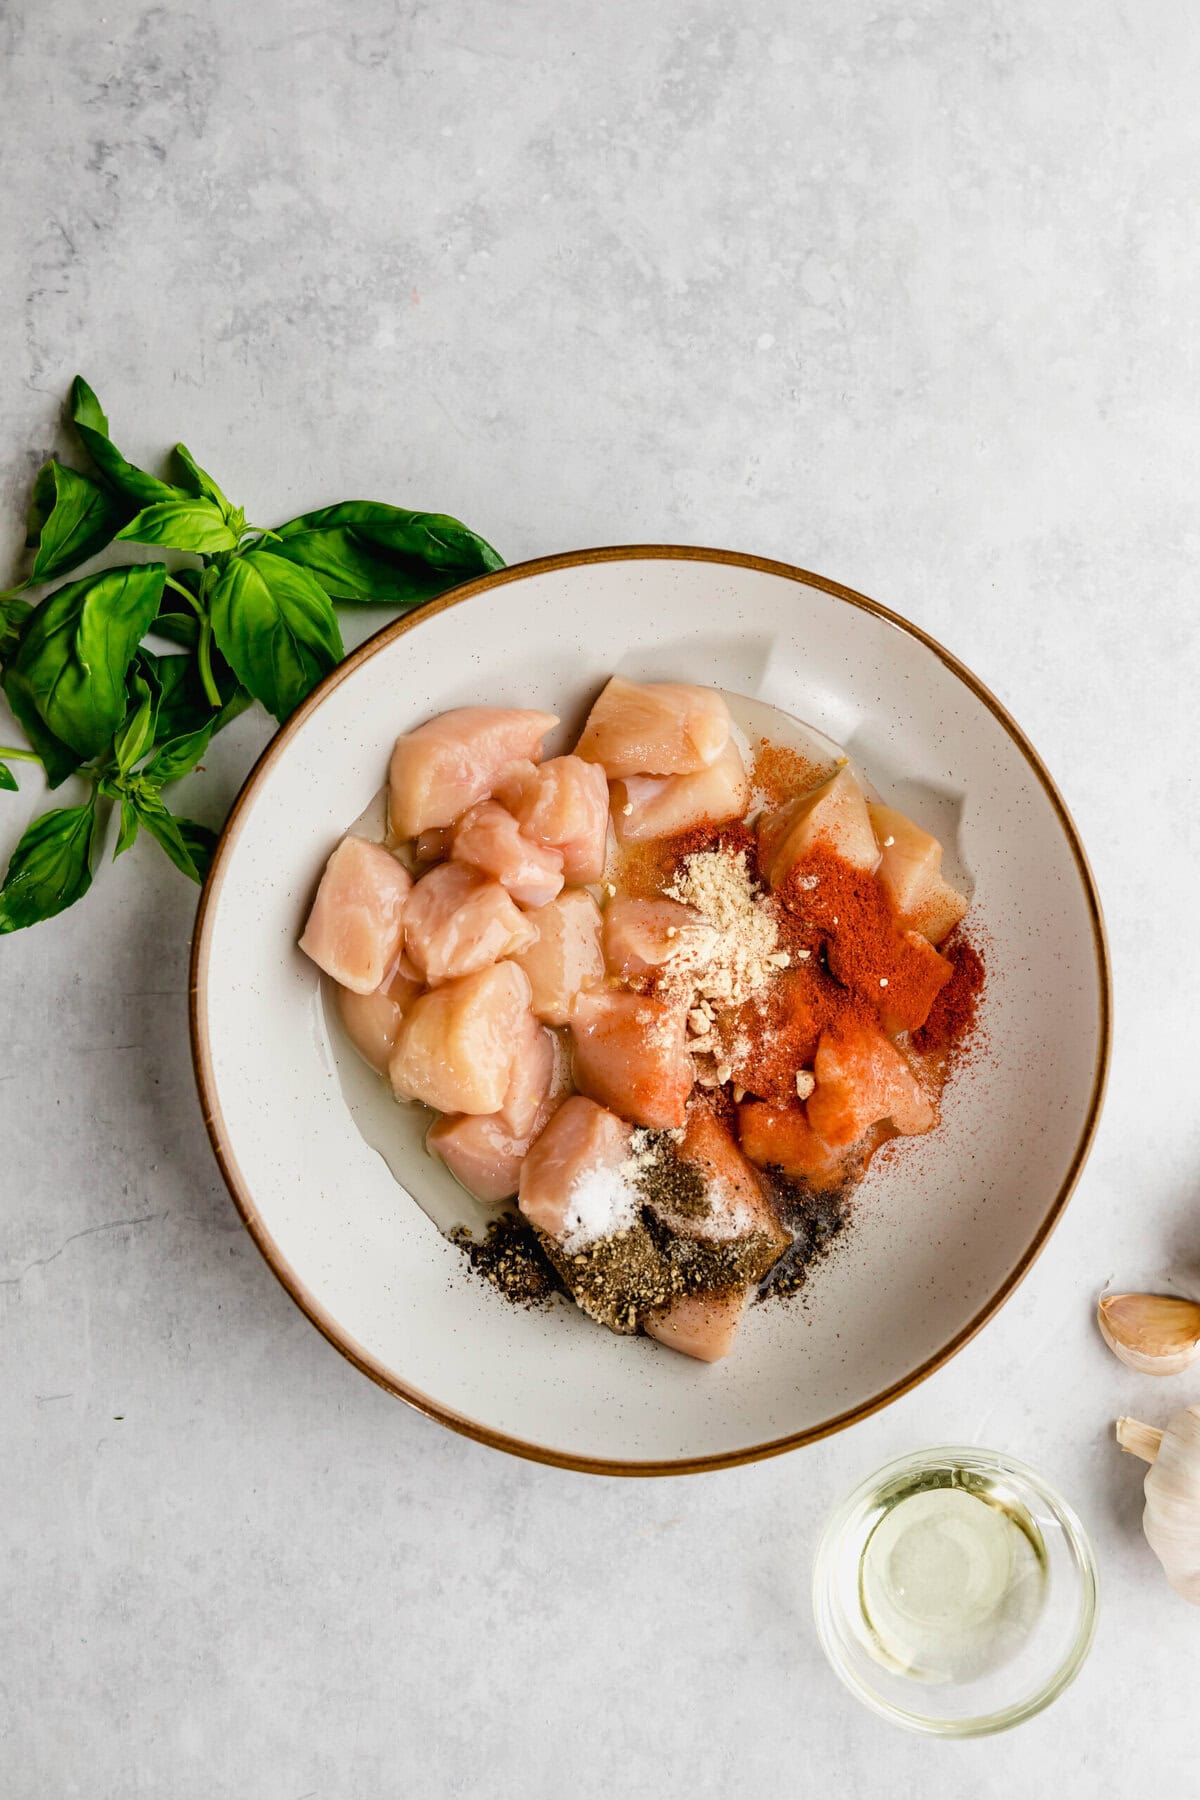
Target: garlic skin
1171, 1520
1152, 1333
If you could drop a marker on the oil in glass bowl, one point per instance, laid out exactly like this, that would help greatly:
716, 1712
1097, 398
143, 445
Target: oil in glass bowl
955, 1592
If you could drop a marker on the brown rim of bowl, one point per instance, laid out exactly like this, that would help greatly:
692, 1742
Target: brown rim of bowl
202, 1062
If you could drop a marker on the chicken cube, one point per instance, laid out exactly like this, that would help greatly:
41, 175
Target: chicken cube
447, 764
703, 1326
631, 1055
356, 926
862, 1079
832, 816
641, 935
372, 1021
655, 728
778, 1137
572, 1182
910, 869
647, 806
564, 957
458, 921
732, 1206
458, 1045
488, 838
563, 805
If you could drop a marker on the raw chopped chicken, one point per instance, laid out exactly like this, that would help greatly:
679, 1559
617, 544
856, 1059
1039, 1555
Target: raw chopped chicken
482, 1153
372, 1021
738, 1205
703, 1326
778, 1137
487, 837
458, 921
833, 816
646, 806
446, 765
910, 868
655, 728
531, 1078
631, 1055
641, 935
564, 806
356, 925
862, 1079
458, 1045
571, 1180
565, 956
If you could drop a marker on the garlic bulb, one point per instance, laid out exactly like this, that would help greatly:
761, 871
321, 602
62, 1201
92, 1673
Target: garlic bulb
1171, 1520
1152, 1333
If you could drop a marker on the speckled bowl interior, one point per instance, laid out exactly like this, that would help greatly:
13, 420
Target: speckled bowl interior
944, 1226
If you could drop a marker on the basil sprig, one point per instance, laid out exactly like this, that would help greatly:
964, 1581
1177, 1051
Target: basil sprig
250, 618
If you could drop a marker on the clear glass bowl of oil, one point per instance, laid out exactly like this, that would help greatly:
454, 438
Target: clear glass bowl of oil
955, 1592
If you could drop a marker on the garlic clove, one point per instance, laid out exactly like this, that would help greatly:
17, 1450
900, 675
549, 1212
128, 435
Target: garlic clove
1171, 1520
1152, 1333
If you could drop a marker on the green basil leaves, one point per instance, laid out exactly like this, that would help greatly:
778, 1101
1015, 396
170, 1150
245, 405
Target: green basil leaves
364, 550
50, 868
275, 627
70, 518
251, 613
74, 650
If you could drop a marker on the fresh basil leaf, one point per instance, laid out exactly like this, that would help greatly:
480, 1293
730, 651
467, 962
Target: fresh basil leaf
71, 517
8, 780
201, 843
198, 481
179, 757
364, 550
187, 850
195, 525
13, 614
178, 628
58, 758
130, 825
126, 478
274, 625
50, 868
76, 647
136, 734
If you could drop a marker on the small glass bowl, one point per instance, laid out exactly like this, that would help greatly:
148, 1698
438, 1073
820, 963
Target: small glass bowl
1050, 1655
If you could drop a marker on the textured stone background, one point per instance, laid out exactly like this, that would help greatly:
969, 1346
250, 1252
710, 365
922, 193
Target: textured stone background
904, 293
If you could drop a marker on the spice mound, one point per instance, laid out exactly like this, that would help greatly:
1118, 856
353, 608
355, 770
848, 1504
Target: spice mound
667, 996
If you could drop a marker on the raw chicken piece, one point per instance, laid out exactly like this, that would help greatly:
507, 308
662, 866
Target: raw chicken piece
564, 957
833, 816
639, 935
663, 806
458, 1046
571, 1180
781, 1138
703, 1326
488, 838
458, 921
564, 806
861, 1079
914, 972
356, 925
738, 1206
630, 1054
655, 728
482, 1153
448, 764
910, 868
372, 1021
532, 1077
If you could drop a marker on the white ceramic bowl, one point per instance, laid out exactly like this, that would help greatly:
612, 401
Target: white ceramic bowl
945, 1227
